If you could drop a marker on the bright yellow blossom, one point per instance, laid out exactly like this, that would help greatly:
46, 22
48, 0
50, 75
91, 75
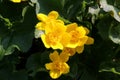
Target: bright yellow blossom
55, 37
78, 35
58, 66
17, 1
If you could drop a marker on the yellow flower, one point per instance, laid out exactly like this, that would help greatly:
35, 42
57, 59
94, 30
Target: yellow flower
17, 1
55, 37
58, 66
47, 20
78, 35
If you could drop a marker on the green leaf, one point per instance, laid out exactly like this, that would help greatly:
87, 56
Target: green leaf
86, 75
110, 66
103, 29
73, 70
47, 6
24, 32
71, 8
114, 34
110, 8
11, 49
20, 75
42, 75
7, 51
6, 21
2, 52
36, 62
110, 70
7, 75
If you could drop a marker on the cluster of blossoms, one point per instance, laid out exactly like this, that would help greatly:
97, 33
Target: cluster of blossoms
70, 39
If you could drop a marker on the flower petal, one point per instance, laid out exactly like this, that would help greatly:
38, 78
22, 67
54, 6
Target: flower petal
87, 30
83, 40
69, 51
54, 56
40, 26
58, 45
55, 74
65, 39
89, 41
66, 68
42, 17
81, 31
16, 1
64, 57
43, 37
71, 27
79, 49
60, 21
53, 15
72, 45
49, 66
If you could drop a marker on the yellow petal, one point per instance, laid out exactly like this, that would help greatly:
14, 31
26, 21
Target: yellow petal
69, 51
90, 40
71, 27
87, 30
83, 40
55, 74
42, 17
66, 68
72, 45
16, 1
49, 27
55, 26
49, 66
65, 39
40, 26
53, 15
81, 31
79, 49
58, 45
60, 21
43, 37
54, 56
64, 57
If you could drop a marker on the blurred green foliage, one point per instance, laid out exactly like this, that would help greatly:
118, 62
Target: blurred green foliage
22, 56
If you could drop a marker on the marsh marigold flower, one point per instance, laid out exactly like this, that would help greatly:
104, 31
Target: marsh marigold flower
17, 1
55, 37
78, 35
58, 66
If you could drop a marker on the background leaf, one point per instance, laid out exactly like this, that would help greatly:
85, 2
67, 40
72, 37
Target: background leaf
114, 34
